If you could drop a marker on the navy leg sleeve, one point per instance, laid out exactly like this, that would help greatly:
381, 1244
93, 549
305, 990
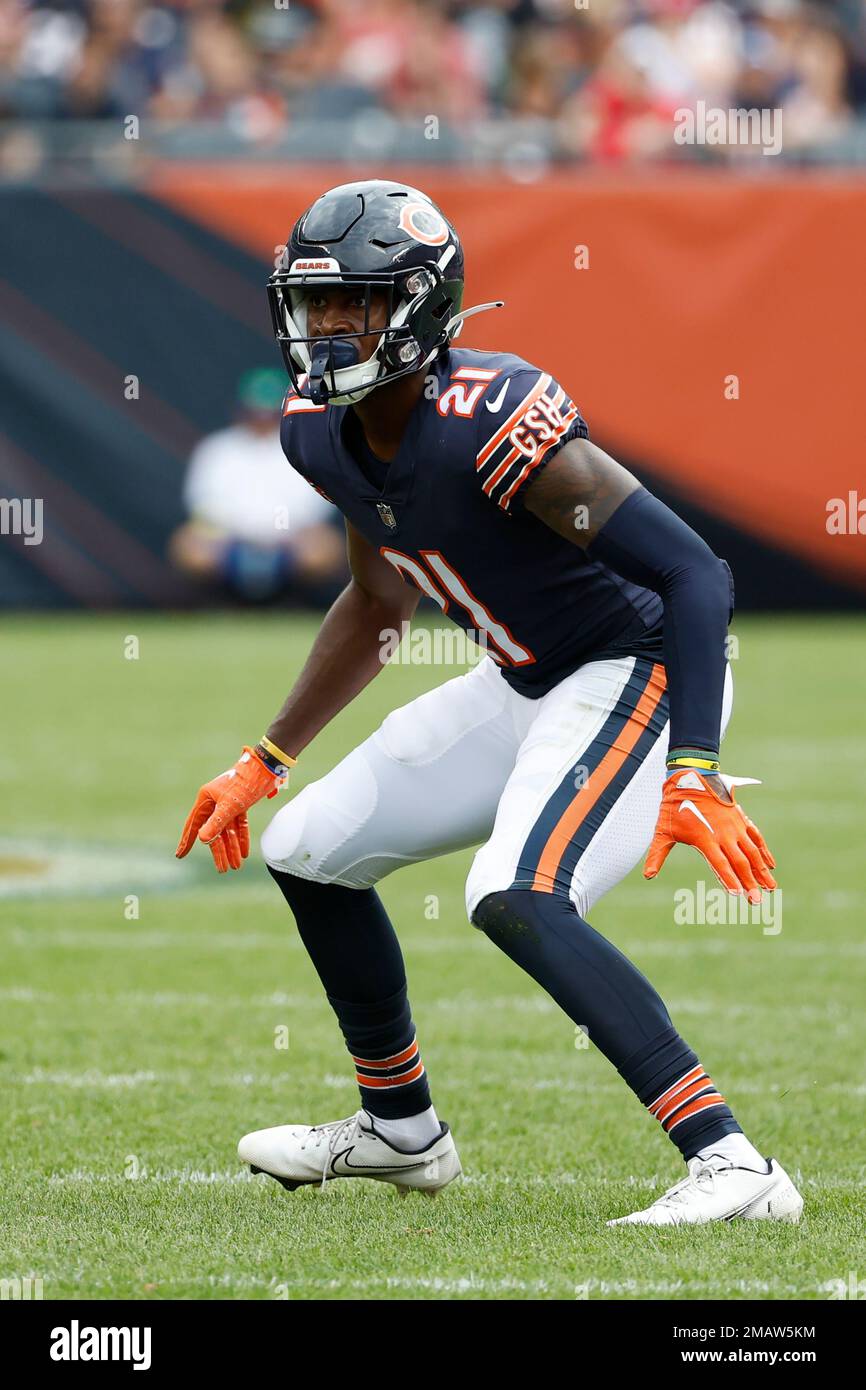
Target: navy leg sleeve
600, 989
351, 942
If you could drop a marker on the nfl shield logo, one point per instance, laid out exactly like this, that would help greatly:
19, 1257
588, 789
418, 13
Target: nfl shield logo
386, 514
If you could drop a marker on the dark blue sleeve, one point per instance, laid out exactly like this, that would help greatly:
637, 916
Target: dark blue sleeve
646, 542
292, 407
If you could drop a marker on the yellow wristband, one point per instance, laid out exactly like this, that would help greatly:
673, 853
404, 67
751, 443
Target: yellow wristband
276, 752
706, 763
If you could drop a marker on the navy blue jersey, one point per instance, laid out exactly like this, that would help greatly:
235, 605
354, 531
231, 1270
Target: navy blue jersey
449, 516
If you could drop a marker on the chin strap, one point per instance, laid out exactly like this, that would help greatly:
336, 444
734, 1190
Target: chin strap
346, 398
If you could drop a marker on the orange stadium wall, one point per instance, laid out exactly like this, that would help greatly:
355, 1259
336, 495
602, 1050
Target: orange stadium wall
711, 328
714, 333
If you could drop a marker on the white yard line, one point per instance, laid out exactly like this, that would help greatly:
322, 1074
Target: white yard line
171, 1176
88, 1080
562, 1287
739, 938
538, 1005
554, 1181
588, 1086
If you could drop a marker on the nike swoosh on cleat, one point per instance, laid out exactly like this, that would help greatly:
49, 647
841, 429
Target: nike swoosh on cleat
371, 1167
496, 403
747, 1206
690, 806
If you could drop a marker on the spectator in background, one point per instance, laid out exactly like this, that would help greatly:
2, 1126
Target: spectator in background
548, 65
38, 50
98, 85
223, 77
625, 111
257, 529
600, 78
816, 110
405, 56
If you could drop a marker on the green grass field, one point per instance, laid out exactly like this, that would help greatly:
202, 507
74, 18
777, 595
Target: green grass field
137, 1049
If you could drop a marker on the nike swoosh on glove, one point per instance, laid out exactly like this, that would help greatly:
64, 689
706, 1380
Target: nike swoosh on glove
692, 814
219, 816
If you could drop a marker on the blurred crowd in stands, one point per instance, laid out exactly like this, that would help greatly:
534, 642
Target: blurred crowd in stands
605, 75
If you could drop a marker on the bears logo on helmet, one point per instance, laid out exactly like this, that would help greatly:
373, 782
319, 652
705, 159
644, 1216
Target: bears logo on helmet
425, 224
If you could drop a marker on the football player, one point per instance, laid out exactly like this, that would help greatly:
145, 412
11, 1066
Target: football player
588, 732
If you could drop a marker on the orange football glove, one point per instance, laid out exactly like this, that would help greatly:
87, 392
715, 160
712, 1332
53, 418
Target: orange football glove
219, 816
692, 814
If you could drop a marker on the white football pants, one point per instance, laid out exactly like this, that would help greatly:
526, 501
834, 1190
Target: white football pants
561, 793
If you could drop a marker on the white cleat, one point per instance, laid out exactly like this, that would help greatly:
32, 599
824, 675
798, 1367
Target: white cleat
298, 1155
716, 1190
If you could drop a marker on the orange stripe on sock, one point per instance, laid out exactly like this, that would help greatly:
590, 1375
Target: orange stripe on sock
685, 1094
389, 1061
599, 779
677, 1085
695, 1108
402, 1080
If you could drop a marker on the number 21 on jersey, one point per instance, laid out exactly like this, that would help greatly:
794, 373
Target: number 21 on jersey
439, 581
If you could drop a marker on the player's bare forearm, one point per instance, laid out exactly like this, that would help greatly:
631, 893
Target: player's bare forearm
345, 656
579, 491
348, 650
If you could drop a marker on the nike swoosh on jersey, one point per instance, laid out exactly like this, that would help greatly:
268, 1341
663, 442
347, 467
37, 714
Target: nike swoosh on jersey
496, 403
690, 806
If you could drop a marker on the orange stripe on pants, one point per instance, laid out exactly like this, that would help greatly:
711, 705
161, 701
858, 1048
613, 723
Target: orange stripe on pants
576, 812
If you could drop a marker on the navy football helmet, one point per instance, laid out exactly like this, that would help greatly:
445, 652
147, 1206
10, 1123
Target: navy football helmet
375, 235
